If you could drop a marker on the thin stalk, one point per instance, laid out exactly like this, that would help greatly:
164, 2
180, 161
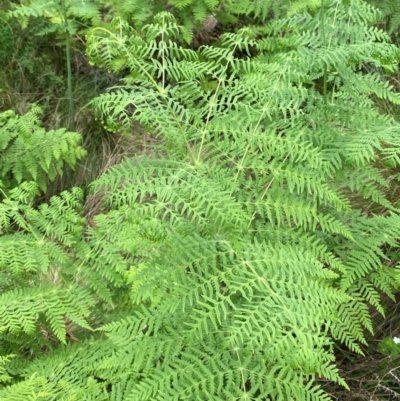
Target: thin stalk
324, 44
69, 72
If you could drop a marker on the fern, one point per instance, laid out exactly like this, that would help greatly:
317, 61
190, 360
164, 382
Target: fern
390, 12
229, 259
279, 150
52, 10
30, 153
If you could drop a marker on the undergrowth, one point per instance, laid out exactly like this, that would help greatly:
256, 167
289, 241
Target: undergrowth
247, 249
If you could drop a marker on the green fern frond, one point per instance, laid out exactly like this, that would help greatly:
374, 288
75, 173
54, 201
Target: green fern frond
391, 12
52, 10
31, 153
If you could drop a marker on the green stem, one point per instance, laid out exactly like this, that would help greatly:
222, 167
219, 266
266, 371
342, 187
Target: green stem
324, 44
69, 72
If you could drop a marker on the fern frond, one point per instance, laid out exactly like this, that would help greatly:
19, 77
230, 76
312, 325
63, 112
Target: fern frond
31, 153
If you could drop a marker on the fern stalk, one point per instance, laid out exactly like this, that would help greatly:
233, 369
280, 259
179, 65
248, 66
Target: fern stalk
69, 72
324, 43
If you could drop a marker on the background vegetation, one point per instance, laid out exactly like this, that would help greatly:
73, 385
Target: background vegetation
199, 200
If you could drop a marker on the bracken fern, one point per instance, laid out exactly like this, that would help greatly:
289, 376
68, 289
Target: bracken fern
235, 251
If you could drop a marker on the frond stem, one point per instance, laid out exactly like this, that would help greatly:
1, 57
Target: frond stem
267, 187
325, 83
69, 72
163, 58
212, 104
264, 110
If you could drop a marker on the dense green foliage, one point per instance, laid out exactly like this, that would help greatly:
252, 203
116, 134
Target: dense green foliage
31, 153
255, 233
